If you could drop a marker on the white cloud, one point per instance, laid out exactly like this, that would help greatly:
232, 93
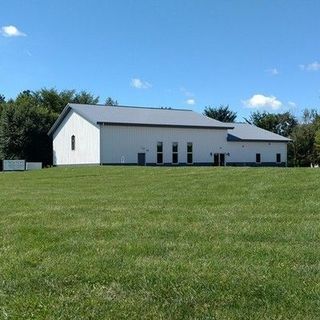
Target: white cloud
11, 31
292, 104
191, 101
262, 101
314, 66
189, 96
273, 71
140, 84
186, 92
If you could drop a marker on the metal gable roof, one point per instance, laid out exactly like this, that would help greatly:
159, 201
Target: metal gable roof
248, 132
141, 116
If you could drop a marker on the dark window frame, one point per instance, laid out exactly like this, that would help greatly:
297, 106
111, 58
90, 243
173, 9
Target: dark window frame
258, 157
160, 144
175, 153
278, 157
73, 142
189, 152
160, 152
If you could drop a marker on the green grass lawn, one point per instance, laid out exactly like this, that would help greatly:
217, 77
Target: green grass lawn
160, 243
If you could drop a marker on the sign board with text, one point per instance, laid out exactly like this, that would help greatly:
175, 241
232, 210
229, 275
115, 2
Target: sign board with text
14, 165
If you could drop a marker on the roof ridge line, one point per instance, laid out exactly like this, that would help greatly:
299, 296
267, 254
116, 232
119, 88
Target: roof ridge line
136, 107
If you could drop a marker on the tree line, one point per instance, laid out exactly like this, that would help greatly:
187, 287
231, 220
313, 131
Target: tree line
305, 134
26, 120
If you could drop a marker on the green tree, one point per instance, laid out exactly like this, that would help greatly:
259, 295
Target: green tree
23, 133
26, 98
302, 147
25, 122
56, 101
317, 146
111, 102
84, 97
305, 147
51, 99
221, 113
309, 115
2, 99
280, 123
2, 102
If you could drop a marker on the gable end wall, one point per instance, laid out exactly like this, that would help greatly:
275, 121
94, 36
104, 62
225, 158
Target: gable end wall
87, 141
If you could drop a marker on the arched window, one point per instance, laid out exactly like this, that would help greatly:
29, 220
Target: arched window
73, 143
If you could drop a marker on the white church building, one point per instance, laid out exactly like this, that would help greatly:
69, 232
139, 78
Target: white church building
93, 134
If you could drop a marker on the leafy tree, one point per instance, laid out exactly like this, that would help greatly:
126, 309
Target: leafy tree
23, 133
305, 147
309, 115
84, 97
51, 99
221, 113
302, 146
2, 102
56, 101
2, 99
111, 102
317, 147
66, 96
25, 122
26, 98
280, 123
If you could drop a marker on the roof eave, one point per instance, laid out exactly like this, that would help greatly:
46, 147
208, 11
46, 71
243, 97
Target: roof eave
130, 124
260, 140
62, 115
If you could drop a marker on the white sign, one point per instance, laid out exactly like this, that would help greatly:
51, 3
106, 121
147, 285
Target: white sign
33, 165
14, 165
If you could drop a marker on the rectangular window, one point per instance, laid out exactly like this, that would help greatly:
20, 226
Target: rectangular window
73, 143
174, 158
159, 153
159, 158
160, 147
175, 152
258, 157
189, 153
278, 157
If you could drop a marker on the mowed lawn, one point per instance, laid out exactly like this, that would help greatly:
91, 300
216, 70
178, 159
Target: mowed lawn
160, 243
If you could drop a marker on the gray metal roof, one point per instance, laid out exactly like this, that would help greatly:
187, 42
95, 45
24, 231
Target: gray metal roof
123, 115
247, 132
142, 116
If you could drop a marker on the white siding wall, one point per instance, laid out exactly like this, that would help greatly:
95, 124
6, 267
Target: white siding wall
124, 142
246, 151
87, 141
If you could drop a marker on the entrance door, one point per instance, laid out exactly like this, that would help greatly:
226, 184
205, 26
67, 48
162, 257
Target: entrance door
141, 159
222, 159
216, 159
219, 159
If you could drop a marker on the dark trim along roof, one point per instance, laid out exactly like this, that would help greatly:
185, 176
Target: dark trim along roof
127, 124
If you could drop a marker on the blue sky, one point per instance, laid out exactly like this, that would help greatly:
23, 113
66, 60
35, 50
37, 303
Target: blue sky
252, 55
